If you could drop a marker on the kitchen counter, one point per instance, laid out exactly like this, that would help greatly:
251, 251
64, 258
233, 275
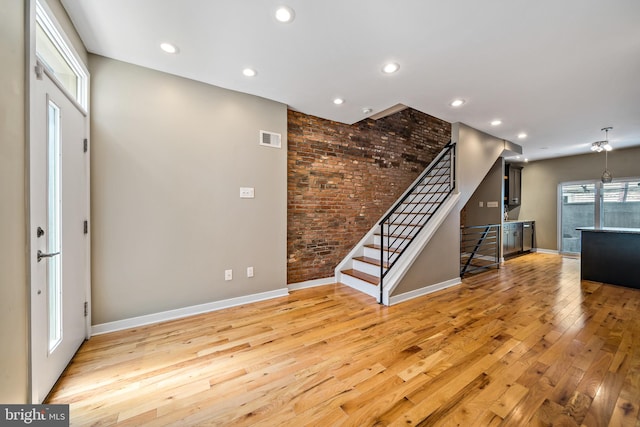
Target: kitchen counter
610, 230
610, 255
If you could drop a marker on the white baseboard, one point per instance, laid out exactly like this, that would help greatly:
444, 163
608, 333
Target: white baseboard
179, 313
395, 299
546, 251
311, 283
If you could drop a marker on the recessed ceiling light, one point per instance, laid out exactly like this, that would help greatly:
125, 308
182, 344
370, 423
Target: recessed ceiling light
249, 72
522, 135
338, 101
285, 14
367, 110
457, 102
496, 122
526, 160
390, 68
169, 48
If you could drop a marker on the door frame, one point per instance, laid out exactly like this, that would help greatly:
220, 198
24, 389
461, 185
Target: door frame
32, 8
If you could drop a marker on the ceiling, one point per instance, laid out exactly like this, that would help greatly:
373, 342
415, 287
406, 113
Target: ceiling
558, 71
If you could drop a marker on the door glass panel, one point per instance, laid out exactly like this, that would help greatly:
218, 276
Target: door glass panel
577, 210
621, 200
54, 276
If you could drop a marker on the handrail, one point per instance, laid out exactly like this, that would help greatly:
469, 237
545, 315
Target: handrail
440, 176
485, 241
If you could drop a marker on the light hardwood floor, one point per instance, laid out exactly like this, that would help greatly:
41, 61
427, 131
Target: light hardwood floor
528, 344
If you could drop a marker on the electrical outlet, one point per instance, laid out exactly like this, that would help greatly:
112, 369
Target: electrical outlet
249, 271
481, 204
228, 275
247, 192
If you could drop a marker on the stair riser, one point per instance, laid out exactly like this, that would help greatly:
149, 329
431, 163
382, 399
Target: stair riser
423, 208
439, 178
375, 253
429, 188
425, 198
443, 170
399, 243
365, 267
409, 218
445, 179
401, 230
360, 285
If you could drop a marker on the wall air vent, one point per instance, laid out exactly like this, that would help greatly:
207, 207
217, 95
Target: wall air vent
270, 139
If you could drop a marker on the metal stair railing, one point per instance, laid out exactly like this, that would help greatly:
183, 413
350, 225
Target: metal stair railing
410, 214
479, 247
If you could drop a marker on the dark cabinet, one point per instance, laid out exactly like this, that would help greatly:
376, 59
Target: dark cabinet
517, 237
512, 185
511, 238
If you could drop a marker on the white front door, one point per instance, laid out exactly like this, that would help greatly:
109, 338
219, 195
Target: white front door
59, 246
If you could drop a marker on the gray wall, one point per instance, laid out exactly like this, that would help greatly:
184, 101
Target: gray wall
168, 158
489, 190
439, 261
13, 240
477, 154
540, 181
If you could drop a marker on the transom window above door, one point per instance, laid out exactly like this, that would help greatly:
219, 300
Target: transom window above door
54, 53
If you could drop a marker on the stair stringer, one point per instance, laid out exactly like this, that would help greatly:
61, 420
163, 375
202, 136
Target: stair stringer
400, 268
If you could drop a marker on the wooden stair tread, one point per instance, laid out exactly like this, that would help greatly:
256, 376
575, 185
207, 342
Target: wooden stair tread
396, 236
386, 248
362, 276
430, 192
413, 213
370, 260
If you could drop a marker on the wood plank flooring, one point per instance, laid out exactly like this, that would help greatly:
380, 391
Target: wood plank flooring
528, 344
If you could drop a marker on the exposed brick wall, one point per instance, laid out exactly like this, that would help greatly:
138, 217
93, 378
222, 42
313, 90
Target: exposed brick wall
343, 178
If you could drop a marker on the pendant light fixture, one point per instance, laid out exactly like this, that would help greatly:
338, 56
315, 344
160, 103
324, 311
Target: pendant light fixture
599, 146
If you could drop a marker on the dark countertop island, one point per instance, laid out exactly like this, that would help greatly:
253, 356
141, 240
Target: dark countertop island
611, 255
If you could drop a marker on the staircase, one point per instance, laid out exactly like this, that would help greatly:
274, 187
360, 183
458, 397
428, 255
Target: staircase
366, 267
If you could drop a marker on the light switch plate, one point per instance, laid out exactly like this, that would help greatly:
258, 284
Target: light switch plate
492, 204
249, 271
247, 192
481, 204
228, 275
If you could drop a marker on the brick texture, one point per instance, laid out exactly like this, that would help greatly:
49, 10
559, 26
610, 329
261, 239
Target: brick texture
343, 178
